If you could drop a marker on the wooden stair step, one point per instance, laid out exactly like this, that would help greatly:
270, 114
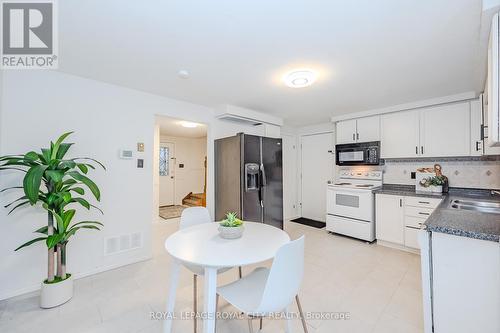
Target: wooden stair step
192, 202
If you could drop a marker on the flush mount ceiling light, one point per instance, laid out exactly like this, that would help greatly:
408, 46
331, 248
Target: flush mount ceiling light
183, 74
299, 78
188, 124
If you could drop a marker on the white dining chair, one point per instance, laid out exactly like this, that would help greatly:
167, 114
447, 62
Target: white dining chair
266, 291
190, 217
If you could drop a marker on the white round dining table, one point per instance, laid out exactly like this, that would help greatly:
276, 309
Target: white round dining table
201, 245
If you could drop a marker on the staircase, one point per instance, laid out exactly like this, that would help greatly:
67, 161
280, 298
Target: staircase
197, 199
194, 199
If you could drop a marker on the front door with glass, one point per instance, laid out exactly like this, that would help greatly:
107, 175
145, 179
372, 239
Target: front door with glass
167, 173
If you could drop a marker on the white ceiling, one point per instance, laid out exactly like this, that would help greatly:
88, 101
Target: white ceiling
369, 54
173, 127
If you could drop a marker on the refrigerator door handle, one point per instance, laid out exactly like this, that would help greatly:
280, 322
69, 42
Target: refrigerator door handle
261, 202
263, 180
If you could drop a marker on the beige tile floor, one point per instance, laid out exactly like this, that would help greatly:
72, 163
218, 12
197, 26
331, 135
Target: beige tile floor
377, 286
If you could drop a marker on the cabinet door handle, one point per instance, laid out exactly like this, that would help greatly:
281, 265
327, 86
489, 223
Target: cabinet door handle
357, 136
424, 202
477, 145
422, 149
423, 213
416, 150
353, 136
400, 202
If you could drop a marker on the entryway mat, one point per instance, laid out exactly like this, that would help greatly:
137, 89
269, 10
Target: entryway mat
309, 222
170, 212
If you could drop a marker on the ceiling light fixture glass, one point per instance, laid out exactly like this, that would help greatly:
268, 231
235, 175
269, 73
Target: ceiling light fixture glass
299, 78
189, 124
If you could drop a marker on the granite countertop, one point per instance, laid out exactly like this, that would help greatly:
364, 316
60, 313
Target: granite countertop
407, 190
458, 222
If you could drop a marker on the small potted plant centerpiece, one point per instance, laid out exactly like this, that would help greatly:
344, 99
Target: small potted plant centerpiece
433, 184
231, 227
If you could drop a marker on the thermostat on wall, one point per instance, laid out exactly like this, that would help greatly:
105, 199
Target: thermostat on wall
126, 154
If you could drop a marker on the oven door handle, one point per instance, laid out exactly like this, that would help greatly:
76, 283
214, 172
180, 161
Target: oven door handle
350, 189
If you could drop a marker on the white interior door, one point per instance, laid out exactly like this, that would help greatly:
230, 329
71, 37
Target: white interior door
167, 173
289, 176
317, 170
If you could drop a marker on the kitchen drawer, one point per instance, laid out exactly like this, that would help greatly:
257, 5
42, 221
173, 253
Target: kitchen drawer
423, 213
415, 222
411, 237
422, 202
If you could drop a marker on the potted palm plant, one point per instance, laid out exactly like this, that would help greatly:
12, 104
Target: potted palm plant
58, 185
231, 227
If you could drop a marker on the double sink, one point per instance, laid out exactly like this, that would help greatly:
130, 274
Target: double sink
482, 206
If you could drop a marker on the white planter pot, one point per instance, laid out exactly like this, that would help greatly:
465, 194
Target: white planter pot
231, 232
437, 189
55, 294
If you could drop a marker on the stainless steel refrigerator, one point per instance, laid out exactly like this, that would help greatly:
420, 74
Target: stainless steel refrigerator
249, 178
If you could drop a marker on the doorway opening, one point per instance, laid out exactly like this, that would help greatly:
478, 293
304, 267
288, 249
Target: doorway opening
181, 168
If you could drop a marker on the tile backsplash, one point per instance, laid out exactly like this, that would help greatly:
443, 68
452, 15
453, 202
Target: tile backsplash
474, 172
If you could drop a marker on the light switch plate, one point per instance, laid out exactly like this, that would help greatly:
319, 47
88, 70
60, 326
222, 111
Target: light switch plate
140, 146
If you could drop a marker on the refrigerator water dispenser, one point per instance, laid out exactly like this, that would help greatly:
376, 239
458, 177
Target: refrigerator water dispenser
251, 177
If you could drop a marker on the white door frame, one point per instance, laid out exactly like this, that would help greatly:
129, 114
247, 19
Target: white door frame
295, 171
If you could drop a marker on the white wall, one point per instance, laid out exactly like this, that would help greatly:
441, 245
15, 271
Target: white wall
191, 152
37, 106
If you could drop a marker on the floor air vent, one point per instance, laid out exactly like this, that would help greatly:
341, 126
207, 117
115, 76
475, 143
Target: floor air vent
122, 243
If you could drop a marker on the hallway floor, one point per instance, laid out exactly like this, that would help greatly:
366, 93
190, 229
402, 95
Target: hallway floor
171, 212
379, 288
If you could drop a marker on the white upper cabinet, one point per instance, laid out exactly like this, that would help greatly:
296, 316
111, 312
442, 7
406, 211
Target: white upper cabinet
445, 130
346, 131
399, 134
368, 129
365, 129
488, 149
493, 121
438, 131
476, 121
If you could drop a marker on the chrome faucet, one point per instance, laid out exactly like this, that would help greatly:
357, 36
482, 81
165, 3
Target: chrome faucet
493, 192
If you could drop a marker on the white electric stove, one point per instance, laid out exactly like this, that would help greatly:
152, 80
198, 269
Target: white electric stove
351, 203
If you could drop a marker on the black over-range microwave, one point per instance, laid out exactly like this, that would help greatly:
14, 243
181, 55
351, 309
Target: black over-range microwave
366, 153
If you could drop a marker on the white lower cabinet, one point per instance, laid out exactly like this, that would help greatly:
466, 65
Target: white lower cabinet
400, 218
389, 220
411, 237
465, 284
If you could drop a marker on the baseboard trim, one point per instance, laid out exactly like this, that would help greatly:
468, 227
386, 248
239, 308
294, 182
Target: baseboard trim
77, 276
398, 247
